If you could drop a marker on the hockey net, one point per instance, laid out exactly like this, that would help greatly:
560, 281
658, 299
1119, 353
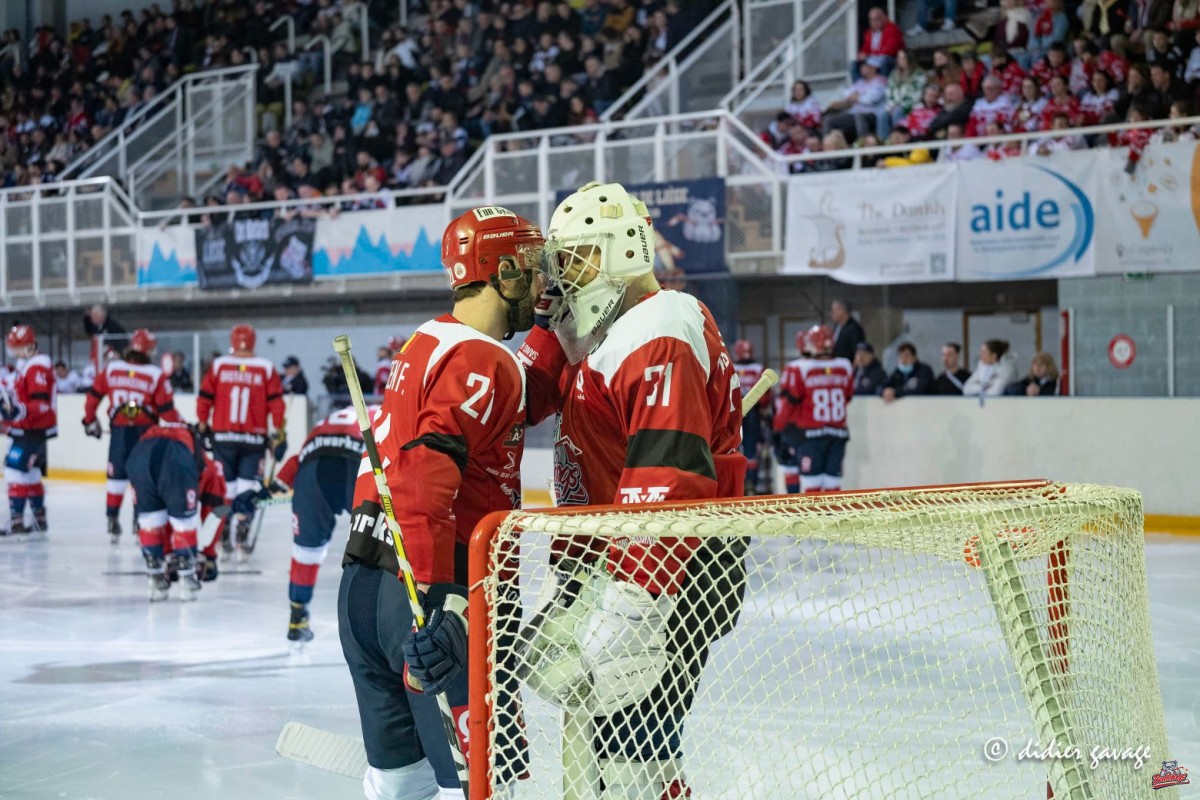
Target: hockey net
888, 644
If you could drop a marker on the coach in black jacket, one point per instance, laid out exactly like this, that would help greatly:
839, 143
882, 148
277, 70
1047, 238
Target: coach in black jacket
847, 333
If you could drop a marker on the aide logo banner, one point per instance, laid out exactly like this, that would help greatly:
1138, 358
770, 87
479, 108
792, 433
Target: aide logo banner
1025, 219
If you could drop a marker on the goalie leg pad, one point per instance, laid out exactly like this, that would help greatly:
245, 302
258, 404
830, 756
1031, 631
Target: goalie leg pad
551, 663
638, 780
414, 782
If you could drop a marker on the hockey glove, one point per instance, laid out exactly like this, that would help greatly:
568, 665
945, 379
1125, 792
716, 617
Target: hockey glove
279, 445
92, 429
547, 307
244, 504
206, 568
205, 434
10, 409
437, 654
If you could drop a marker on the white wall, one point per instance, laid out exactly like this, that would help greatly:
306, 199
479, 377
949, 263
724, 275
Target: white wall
1152, 445
75, 451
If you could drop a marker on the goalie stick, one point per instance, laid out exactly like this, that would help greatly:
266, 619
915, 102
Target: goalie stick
345, 754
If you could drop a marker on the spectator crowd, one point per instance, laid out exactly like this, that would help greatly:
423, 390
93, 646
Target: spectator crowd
1048, 66
403, 115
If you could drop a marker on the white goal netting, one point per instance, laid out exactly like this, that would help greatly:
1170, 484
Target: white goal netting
892, 644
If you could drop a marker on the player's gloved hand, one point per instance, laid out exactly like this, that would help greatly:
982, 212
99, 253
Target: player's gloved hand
244, 504
547, 306
437, 654
277, 487
10, 409
279, 444
623, 643
92, 429
206, 568
205, 434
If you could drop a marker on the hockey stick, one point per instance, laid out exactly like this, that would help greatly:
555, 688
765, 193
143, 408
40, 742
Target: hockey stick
328, 751
341, 345
258, 522
336, 753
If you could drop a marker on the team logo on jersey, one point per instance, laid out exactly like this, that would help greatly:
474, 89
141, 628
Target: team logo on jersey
568, 477
515, 436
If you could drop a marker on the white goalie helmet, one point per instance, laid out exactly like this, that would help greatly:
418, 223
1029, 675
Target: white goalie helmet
599, 239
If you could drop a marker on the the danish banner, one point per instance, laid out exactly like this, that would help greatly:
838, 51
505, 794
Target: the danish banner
1026, 218
873, 226
1149, 217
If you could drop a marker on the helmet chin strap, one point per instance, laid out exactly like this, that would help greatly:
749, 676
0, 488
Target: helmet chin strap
509, 272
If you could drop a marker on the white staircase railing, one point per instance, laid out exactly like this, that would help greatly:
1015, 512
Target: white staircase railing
692, 76
174, 145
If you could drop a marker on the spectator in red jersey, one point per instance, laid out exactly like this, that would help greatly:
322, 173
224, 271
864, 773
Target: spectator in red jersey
918, 120
1009, 72
882, 38
993, 106
1083, 65
1053, 63
1135, 139
1061, 101
972, 74
803, 107
797, 144
1042, 380
905, 87
777, 132
1099, 102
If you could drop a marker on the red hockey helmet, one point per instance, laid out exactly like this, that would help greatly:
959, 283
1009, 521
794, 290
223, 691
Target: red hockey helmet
242, 337
475, 244
743, 350
143, 341
21, 336
817, 340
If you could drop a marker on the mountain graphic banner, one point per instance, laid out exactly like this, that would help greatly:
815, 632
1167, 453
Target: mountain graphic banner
404, 239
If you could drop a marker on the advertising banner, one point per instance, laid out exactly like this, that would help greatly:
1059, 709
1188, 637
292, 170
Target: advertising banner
1150, 216
1027, 218
873, 226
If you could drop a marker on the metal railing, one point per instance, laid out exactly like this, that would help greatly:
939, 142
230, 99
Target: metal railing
692, 76
203, 123
77, 241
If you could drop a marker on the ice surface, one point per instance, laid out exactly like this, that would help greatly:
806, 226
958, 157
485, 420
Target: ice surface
105, 696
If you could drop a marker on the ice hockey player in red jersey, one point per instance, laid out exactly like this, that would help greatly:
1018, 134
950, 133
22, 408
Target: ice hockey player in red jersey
322, 475
31, 411
814, 391
450, 434
650, 410
759, 418
239, 395
139, 395
384, 366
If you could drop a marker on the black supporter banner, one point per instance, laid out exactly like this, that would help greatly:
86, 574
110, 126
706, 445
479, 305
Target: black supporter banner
248, 253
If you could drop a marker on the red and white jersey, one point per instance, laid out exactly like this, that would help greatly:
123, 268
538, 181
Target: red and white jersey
748, 374
138, 395
984, 111
450, 434
814, 393
652, 413
240, 393
37, 391
919, 120
381, 374
336, 436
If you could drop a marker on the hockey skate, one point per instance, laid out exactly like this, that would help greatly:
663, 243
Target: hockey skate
114, 530
298, 630
38, 532
244, 546
226, 542
189, 586
160, 586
